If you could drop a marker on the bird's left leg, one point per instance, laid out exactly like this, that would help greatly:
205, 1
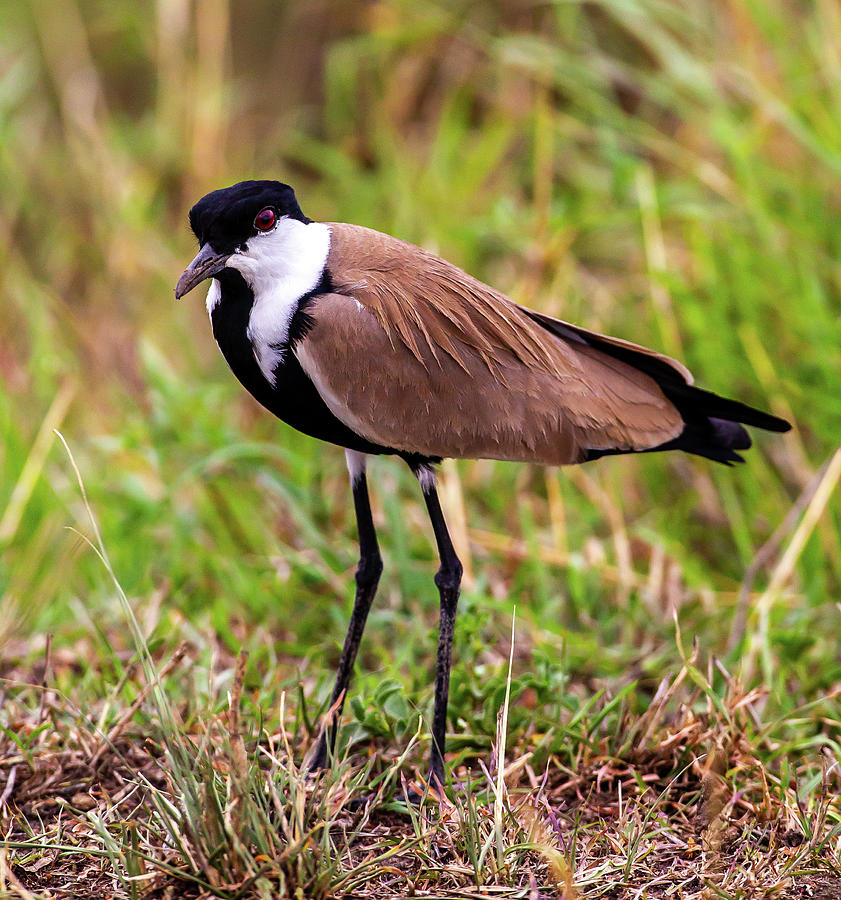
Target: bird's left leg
448, 582
367, 577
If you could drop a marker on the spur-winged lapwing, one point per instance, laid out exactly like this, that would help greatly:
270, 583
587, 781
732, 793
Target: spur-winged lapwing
378, 346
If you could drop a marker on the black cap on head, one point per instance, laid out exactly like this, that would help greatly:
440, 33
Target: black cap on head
225, 218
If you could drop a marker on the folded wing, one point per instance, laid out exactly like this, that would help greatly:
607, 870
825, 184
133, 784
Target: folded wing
412, 353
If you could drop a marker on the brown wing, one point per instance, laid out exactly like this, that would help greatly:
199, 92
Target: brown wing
413, 353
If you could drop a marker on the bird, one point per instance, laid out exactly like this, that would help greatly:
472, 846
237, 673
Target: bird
378, 346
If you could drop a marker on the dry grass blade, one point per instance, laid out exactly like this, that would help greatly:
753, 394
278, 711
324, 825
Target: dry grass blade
42, 704
36, 459
117, 729
501, 743
237, 740
768, 551
784, 569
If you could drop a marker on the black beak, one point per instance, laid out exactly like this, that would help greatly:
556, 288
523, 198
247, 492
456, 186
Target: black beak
206, 264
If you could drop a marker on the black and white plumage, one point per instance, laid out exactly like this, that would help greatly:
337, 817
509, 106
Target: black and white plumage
373, 344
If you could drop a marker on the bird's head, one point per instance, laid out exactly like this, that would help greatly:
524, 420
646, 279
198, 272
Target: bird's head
238, 227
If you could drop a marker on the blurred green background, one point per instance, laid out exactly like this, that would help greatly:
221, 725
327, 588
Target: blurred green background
664, 171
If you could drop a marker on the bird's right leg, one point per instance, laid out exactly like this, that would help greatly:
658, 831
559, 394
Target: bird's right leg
367, 577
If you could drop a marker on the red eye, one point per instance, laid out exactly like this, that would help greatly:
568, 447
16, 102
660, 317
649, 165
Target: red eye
265, 219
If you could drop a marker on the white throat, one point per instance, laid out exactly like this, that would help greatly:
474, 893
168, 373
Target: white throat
280, 267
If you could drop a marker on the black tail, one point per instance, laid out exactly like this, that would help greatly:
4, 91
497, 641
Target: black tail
716, 439
712, 426
712, 423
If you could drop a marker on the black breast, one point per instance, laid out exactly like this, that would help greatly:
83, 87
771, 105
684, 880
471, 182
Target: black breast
294, 398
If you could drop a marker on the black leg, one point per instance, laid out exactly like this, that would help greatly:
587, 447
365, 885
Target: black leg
367, 576
448, 580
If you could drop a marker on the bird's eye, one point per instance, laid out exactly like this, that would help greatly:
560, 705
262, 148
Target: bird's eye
265, 219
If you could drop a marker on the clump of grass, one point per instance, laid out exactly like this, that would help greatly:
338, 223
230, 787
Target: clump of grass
696, 793
692, 798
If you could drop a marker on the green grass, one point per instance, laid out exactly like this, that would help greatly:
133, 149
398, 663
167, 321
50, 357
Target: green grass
664, 172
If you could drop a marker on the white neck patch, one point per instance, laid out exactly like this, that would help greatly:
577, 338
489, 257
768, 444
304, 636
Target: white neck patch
214, 295
279, 267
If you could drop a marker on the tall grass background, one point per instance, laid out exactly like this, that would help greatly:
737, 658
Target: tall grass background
664, 171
